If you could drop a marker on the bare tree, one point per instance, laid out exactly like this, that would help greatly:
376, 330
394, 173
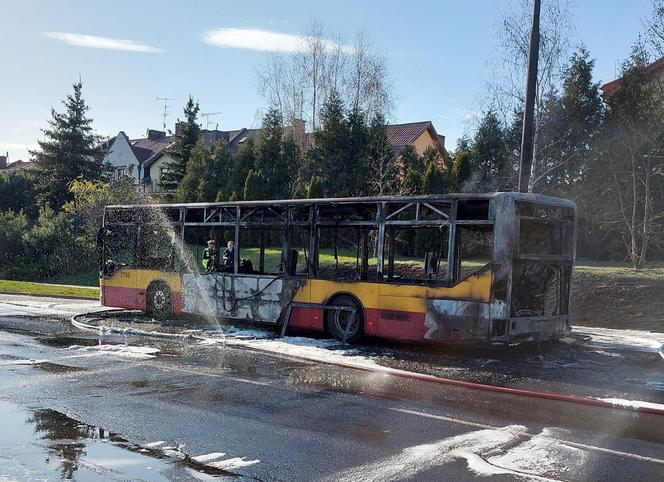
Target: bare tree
629, 175
507, 87
366, 80
298, 84
654, 27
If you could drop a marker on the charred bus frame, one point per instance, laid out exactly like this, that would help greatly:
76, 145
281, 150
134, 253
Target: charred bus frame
533, 250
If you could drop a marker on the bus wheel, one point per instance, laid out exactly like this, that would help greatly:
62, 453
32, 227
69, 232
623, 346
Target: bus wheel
337, 320
160, 300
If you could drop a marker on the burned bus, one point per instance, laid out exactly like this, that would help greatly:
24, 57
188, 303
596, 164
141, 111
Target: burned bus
458, 268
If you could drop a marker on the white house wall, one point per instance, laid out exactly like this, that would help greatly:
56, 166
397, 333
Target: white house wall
121, 156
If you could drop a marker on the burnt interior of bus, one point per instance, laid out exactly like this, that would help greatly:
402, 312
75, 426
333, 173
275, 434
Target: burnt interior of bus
542, 267
405, 240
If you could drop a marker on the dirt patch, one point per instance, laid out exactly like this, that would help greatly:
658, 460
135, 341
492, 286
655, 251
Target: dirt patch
623, 298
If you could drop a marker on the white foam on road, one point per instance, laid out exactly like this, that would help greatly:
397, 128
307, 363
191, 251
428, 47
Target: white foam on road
209, 457
413, 460
214, 460
22, 362
509, 450
318, 350
541, 455
629, 340
124, 351
232, 464
633, 404
15, 305
156, 444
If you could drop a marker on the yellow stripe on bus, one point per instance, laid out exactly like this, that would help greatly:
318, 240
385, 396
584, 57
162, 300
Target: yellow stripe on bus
384, 296
141, 278
390, 296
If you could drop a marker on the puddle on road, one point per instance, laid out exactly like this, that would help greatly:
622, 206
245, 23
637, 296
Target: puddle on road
58, 367
48, 445
67, 341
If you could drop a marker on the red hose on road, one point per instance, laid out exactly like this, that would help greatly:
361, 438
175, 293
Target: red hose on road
475, 386
434, 379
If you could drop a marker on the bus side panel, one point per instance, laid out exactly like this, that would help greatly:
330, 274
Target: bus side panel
405, 308
322, 291
309, 318
119, 290
127, 288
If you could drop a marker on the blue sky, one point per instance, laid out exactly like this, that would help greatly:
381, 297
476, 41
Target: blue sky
438, 53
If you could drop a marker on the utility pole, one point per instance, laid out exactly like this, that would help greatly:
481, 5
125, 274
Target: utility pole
528, 133
166, 106
207, 116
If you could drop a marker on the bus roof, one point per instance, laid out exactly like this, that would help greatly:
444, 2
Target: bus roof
517, 196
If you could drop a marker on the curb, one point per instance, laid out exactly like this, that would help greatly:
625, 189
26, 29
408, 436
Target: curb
43, 295
414, 375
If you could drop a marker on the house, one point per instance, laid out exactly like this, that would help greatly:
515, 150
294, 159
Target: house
654, 70
129, 156
6, 166
420, 135
153, 167
146, 158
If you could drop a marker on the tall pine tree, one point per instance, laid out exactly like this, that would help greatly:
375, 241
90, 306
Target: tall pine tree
461, 165
490, 158
189, 188
270, 159
384, 164
187, 134
70, 150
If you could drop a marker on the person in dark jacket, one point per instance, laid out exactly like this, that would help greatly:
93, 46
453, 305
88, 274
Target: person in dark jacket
229, 254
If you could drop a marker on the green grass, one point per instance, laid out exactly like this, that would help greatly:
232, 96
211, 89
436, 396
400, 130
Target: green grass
29, 288
613, 269
85, 278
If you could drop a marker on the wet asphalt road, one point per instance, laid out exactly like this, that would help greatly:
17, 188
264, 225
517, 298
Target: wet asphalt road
278, 418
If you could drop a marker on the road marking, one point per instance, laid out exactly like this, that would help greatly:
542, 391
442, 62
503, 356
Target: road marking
580, 445
447, 419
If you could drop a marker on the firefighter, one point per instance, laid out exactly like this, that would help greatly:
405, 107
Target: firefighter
210, 256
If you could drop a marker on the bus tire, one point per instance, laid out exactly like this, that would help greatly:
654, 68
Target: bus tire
336, 320
159, 300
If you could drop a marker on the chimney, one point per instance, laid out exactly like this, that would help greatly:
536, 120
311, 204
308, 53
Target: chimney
3, 161
297, 129
154, 134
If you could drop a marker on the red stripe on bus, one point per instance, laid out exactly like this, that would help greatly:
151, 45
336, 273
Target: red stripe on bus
395, 324
134, 298
308, 318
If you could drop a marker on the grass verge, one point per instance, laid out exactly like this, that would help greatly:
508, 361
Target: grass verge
42, 289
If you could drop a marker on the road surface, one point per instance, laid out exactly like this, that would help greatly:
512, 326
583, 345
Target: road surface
114, 407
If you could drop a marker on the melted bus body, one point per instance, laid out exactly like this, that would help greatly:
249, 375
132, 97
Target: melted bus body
459, 268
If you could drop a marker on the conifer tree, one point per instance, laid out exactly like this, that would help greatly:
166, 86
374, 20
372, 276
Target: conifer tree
411, 171
189, 188
187, 134
291, 159
70, 150
434, 180
489, 154
242, 163
383, 164
315, 189
217, 170
329, 154
254, 186
461, 165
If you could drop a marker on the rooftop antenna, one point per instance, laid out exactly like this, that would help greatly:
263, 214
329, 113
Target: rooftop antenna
166, 106
207, 116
